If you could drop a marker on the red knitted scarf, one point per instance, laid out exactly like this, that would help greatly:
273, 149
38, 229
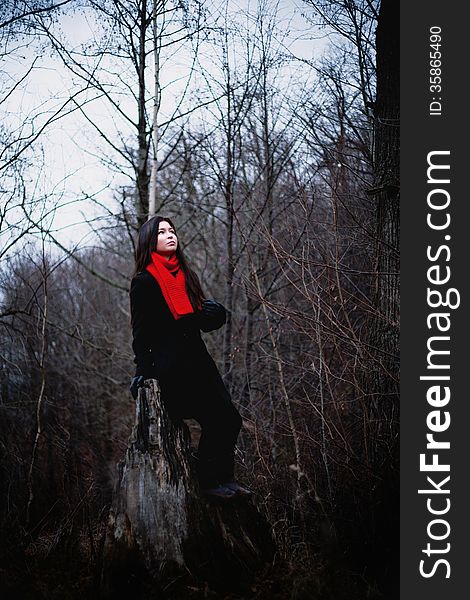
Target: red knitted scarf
173, 288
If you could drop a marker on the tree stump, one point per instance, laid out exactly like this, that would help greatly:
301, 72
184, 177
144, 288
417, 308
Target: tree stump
164, 539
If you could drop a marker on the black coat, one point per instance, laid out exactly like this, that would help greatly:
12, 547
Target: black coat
173, 352
165, 347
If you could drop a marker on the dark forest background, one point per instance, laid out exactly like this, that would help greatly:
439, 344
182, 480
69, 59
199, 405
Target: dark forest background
287, 206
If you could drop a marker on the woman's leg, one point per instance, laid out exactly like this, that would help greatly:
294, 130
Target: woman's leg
197, 391
220, 425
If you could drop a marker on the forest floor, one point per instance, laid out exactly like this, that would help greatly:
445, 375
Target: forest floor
60, 576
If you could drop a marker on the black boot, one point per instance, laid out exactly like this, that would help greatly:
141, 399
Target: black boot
225, 474
236, 488
206, 469
220, 491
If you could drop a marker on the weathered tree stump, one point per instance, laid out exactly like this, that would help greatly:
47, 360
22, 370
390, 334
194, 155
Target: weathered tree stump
164, 538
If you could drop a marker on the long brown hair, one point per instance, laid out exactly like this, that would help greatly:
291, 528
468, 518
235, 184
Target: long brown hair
147, 239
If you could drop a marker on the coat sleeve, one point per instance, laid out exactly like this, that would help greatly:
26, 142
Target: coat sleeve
140, 317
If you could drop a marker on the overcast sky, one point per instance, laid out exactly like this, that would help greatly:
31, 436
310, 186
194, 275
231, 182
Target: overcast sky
72, 148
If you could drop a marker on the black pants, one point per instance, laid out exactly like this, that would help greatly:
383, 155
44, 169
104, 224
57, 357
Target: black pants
197, 391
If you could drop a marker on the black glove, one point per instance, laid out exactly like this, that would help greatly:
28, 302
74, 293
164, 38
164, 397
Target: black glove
211, 307
212, 315
136, 383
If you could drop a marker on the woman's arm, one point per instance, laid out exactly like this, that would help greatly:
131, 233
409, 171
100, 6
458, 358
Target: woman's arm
141, 326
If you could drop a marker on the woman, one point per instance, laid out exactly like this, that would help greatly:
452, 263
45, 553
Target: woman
168, 311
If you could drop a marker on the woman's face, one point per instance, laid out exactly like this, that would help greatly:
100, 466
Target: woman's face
167, 241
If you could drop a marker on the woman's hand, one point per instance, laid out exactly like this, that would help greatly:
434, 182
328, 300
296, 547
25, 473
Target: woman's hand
136, 383
211, 307
212, 315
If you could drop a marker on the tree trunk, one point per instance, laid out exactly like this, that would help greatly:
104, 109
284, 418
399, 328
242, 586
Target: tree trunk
157, 42
385, 326
382, 379
164, 539
142, 174
230, 269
